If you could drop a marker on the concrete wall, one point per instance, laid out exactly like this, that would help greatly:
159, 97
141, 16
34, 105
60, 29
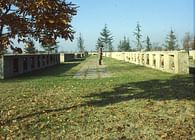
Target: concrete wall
168, 61
66, 57
93, 53
192, 54
13, 65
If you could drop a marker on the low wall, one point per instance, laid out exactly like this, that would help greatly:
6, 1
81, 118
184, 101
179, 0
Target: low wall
192, 54
66, 57
12, 65
168, 61
93, 53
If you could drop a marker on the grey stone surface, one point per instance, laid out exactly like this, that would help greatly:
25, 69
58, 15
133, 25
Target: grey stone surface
13, 65
92, 70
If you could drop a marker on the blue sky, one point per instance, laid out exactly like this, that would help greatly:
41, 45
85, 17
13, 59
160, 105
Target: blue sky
156, 17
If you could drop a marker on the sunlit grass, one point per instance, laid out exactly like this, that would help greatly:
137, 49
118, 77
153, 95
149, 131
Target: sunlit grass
135, 103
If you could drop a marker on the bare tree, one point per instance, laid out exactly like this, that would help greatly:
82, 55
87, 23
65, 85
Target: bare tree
186, 41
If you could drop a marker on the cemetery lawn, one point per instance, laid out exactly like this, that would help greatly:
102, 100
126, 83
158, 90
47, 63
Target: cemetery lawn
134, 103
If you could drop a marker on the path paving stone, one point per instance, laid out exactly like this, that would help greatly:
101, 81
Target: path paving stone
92, 70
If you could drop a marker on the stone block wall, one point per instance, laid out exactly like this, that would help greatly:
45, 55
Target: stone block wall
192, 54
66, 57
168, 61
13, 65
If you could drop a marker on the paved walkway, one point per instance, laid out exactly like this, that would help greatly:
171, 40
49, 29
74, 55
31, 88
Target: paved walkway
92, 70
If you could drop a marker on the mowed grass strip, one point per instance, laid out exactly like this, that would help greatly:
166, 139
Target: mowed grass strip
134, 103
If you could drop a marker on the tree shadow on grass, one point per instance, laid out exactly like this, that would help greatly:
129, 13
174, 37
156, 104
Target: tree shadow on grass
177, 88
38, 113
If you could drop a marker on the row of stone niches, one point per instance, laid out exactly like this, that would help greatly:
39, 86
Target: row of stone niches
41, 61
18, 64
141, 60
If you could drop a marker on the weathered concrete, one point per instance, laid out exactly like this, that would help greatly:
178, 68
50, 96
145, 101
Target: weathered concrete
192, 54
66, 57
168, 61
91, 70
12, 65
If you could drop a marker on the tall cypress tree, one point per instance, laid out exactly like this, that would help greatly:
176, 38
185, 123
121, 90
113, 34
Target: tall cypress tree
124, 45
98, 44
80, 43
171, 41
148, 44
106, 38
138, 37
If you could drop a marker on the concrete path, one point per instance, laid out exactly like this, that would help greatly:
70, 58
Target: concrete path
92, 70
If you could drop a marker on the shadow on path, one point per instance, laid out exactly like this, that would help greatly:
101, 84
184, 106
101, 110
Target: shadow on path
92, 70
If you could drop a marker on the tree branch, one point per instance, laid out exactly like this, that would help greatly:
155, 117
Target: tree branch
8, 8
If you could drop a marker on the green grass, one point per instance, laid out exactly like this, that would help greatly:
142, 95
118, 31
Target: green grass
135, 103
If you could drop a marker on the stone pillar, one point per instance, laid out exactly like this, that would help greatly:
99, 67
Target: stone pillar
158, 60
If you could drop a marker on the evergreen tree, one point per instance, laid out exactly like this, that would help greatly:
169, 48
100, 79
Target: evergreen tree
156, 46
148, 44
171, 41
138, 37
124, 45
99, 44
80, 43
110, 47
106, 38
120, 46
